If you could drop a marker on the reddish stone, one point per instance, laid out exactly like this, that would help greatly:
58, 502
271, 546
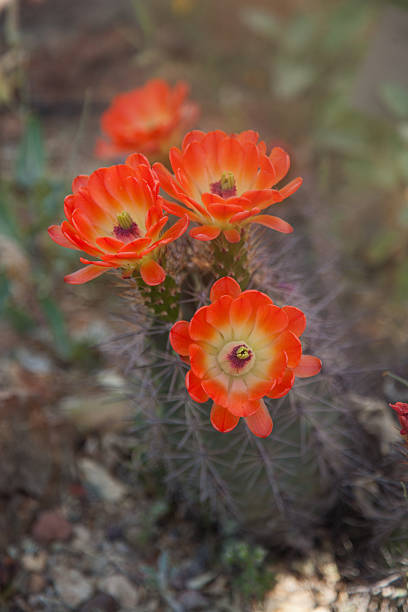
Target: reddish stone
51, 525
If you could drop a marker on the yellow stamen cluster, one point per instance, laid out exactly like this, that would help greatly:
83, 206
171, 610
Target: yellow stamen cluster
125, 221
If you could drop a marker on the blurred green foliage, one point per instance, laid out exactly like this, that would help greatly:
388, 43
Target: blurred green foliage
30, 200
360, 154
246, 565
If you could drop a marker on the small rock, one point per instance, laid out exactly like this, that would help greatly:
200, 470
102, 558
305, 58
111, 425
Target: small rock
37, 583
51, 525
288, 595
114, 532
104, 485
71, 586
193, 600
82, 539
100, 603
35, 563
121, 589
37, 363
198, 582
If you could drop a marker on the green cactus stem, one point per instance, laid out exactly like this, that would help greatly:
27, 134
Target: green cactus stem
161, 300
231, 259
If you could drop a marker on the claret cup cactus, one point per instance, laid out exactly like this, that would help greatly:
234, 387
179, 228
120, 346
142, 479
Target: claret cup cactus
227, 396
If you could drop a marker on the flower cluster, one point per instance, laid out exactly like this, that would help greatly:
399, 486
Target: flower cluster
241, 348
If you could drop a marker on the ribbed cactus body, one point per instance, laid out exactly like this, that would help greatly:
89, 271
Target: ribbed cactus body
316, 463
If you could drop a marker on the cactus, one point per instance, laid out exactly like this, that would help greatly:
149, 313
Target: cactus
320, 462
318, 459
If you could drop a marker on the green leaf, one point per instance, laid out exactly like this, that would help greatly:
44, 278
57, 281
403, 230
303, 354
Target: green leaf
395, 96
55, 319
30, 166
8, 221
4, 290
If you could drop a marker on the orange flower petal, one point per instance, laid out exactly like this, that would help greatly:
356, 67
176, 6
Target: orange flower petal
223, 212
308, 366
270, 320
260, 423
283, 385
202, 362
257, 386
136, 246
263, 197
85, 274
79, 181
205, 232
243, 409
175, 231
218, 315
281, 163
107, 243
273, 222
290, 344
232, 235
297, 320
179, 211
57, 236
290, 188
217, 388
193, 384
243, 311
152, 273
241, 216
222, 419
194, 135
225, 286
201, 330
180, 338
239, 402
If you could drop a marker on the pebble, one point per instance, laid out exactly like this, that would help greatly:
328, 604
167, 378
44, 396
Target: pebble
193, 600
51, 525
34, 562
288, 595
72, 586
82, 539
102, 602
198, 582
100, 481
120, 588
37, 583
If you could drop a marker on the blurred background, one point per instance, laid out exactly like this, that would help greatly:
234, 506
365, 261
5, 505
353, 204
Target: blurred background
79, 527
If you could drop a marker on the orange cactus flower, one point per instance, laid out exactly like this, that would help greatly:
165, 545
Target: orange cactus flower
241, 348
116, 214
149, 119
224, 182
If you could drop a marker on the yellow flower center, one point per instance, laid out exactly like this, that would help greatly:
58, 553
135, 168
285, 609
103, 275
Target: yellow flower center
126, 229
236, 358
227, 181
226, 186
125, 221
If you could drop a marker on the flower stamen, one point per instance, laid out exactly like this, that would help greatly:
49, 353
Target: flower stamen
126, 229
226, 186
236, 358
